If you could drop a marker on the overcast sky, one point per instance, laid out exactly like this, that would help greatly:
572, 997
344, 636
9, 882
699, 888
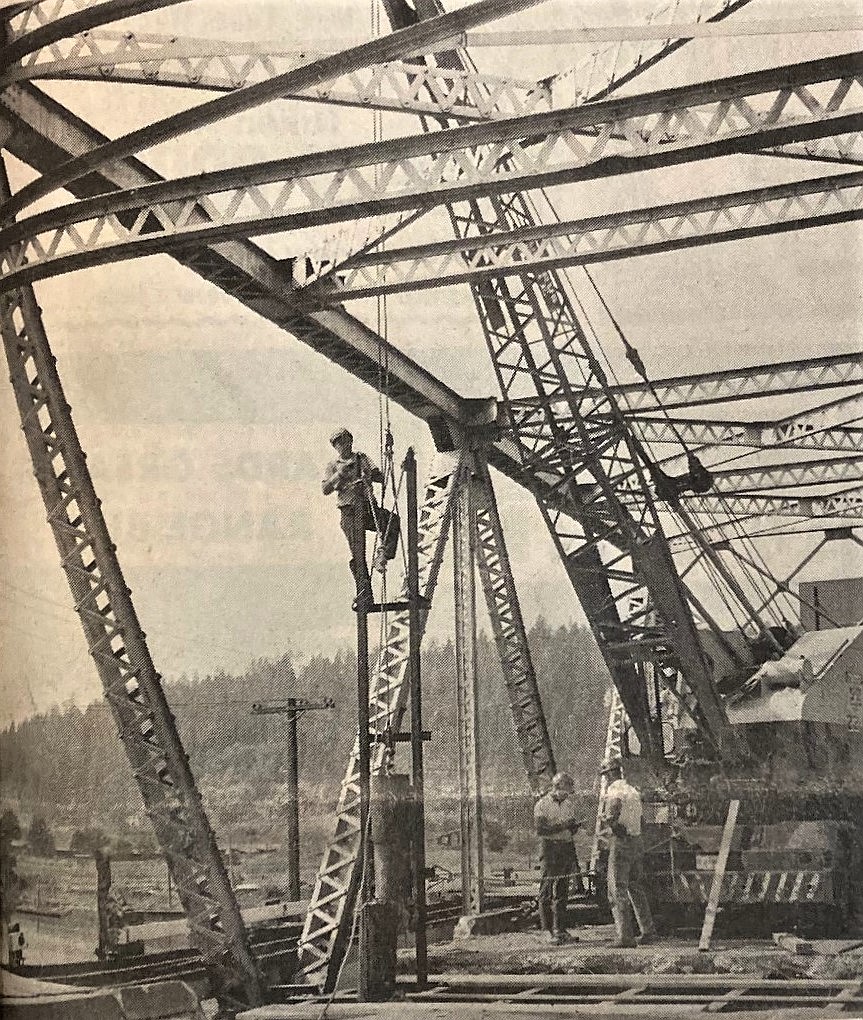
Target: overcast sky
206, 428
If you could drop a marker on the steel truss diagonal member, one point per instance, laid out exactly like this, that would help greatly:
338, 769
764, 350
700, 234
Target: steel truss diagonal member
731, 115
328, 921
747, 214
119, 649
509, 631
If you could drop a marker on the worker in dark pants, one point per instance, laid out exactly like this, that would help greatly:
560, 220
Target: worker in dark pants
342, 476
556, 823
621, 827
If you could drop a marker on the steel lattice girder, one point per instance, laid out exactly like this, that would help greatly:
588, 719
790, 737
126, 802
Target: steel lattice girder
747, 214
43, 131
509, 632
214, 65
807, 375
389, 47
44, 23
324, 938
788, 476
848, 503
118, 646
731, 115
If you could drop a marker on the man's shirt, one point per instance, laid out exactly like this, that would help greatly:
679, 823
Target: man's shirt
630, 805
555, 812
345, 488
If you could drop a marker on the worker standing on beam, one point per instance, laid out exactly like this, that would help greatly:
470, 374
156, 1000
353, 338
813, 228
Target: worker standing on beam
349, 469
556, 824
622, 828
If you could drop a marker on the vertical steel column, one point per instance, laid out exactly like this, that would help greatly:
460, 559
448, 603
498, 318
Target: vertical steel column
293, 803
470, 777
417, 769
119, 649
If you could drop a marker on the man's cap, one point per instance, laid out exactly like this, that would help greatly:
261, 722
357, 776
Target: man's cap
339, 433
563, 780
610, 766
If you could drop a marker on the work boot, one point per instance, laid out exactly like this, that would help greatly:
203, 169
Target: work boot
623, 944
647, 939
564, 936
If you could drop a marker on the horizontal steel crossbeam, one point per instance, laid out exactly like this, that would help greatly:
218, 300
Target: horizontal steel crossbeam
42, 24
731, 115
805, 375
621, 235
388, 47
790, 476
220, 66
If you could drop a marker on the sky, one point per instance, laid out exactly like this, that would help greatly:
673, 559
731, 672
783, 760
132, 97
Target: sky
207, 429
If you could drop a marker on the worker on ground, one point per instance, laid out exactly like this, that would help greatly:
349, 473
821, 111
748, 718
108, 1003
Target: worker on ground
621, 826
342, 476
556, 823
12, 943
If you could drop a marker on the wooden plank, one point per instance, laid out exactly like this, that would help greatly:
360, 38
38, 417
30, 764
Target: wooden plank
455, 980
718, 875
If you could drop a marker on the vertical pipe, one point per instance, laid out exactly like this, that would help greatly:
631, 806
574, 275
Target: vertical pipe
464, 532
362, 604
293, 804
418, 843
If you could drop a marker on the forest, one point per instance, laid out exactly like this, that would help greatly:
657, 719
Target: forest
68, 766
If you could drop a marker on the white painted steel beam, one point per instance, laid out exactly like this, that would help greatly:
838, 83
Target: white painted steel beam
736, 216
736, 114
389, 47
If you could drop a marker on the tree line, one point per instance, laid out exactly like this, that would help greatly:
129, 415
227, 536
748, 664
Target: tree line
68, 764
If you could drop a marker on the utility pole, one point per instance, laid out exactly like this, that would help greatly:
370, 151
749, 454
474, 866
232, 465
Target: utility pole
293, 708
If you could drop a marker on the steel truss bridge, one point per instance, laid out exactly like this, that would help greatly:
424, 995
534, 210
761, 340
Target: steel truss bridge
591, 450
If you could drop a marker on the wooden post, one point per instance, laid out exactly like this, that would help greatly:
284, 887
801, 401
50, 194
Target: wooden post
718, 875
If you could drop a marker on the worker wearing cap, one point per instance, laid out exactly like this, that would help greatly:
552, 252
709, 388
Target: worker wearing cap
556, 823
621, 826
342, 476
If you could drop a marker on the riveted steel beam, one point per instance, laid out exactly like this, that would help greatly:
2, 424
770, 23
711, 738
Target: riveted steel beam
736, 216
120, 652
389, 47
790, 476
803, 375
214, 65
731, 115
42, 24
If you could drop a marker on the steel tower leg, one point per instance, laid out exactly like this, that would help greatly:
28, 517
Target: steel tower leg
467, 696
509, 632
117, 644
329, 919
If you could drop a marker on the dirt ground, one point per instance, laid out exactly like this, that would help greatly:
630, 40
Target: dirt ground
530, 953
